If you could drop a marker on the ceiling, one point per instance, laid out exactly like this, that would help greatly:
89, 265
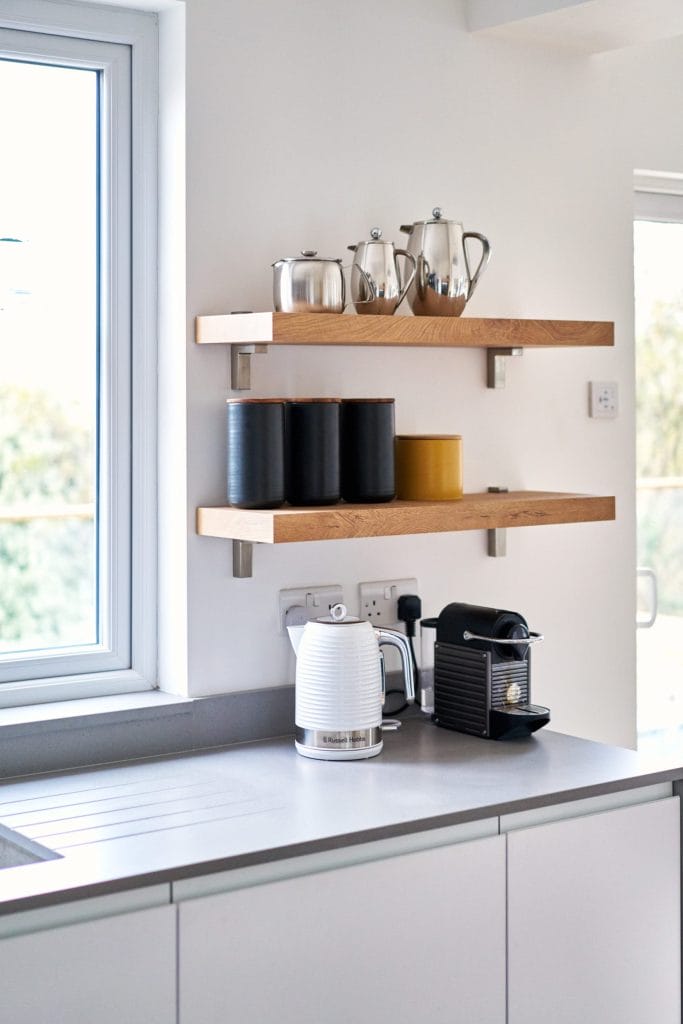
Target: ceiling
583, 26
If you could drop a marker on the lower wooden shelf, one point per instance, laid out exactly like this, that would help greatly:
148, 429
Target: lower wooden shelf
487, 511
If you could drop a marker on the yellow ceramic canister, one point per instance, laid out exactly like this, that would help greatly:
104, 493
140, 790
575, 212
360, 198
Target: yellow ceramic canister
429, 467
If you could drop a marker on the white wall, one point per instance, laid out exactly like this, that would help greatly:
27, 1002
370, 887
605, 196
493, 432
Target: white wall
172, 475
309, 122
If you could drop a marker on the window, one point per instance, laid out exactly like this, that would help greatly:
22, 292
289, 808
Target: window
77, 353
658, 251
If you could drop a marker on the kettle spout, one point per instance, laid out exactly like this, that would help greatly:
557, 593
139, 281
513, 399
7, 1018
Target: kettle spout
407, 228
295, 634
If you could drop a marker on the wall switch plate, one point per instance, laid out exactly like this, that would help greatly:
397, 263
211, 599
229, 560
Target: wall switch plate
379, 600
604, 399
305, 603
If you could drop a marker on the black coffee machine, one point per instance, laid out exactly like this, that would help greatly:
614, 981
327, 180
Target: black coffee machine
481, 673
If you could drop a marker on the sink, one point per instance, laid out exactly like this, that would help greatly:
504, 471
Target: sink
16, 850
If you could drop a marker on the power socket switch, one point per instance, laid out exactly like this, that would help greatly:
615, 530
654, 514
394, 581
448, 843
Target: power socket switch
305, 603
604, 399
379, 601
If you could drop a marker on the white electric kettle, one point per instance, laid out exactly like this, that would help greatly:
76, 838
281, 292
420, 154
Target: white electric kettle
340, 685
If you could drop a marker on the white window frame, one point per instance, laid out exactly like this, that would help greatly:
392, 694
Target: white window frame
658, 196
123, 45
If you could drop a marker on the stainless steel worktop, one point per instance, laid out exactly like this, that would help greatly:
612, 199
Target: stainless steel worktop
139, 823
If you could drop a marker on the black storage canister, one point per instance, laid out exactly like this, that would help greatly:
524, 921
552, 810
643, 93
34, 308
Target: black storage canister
255, 452
312, 451
367, 449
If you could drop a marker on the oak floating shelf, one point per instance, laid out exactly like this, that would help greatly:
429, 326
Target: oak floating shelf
250, 333
427, 331
396, 518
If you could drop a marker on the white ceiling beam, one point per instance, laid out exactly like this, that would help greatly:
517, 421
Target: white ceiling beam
581, 26
483, 14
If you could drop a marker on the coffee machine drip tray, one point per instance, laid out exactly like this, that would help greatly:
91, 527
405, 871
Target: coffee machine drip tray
518, 720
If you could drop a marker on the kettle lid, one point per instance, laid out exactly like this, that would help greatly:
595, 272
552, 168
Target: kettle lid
338, 616
307, 256
375, 239
436, 218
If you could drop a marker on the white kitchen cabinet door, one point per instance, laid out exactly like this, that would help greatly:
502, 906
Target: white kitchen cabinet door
409, 939
594, 919
116, 970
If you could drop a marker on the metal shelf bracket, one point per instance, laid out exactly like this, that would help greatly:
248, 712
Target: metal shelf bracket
495, 365
242, 559
497, 539
240, 365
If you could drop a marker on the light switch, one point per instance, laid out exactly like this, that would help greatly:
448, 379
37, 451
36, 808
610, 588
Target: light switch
603, 399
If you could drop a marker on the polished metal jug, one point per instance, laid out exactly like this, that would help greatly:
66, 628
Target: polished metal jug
443, 281
308, 284
375, 276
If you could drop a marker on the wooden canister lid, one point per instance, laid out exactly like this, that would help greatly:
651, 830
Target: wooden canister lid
255, 401
373, 401
429, 437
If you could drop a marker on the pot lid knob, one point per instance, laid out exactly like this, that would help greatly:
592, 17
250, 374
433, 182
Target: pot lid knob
437, 213
375, 234
338, 612
309, 252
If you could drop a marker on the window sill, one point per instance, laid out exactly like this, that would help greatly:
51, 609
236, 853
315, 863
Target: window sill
34, 716
102, 730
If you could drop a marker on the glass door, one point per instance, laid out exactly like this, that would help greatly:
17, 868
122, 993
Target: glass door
658, 276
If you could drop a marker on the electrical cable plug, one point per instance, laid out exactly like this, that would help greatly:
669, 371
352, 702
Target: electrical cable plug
409, 611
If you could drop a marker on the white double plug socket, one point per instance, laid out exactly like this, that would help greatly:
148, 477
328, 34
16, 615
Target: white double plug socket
603, 399
379, 600
299, 605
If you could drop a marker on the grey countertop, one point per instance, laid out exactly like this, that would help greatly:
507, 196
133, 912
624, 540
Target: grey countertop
164, 819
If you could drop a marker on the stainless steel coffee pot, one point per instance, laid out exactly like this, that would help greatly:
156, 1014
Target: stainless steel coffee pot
308, 284
443, 281
375, 277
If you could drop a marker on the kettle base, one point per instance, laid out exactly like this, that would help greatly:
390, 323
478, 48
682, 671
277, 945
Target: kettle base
321, 754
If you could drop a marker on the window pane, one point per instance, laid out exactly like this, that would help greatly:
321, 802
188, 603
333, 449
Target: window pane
659, 449
48, 357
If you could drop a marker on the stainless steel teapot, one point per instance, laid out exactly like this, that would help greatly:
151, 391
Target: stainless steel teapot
308, 284
443, 281
375, 277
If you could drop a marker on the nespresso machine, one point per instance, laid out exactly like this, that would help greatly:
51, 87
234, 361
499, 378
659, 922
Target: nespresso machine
481, 673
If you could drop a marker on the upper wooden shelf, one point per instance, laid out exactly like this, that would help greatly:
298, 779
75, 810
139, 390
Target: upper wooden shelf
435, 331
341, 522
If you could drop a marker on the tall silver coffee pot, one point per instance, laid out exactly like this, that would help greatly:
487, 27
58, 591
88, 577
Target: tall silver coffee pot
443, 281
376, 285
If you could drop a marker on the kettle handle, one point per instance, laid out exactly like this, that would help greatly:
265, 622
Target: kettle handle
412, 259
483, 262
399, 640
365, 276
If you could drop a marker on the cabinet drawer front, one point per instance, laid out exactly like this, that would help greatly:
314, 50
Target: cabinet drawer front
594, 918
587, 805
115, 970
27, 921
328, 860
419, 937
